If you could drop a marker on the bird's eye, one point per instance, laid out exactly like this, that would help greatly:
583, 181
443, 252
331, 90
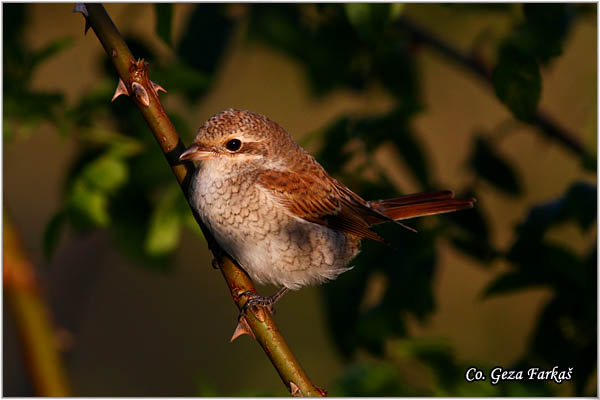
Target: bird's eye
233, 145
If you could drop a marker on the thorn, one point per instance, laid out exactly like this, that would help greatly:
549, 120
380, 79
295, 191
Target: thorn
113, 52
242, 328
157, 88
140, 93
81, 8
295, 390
322, 391
121, 89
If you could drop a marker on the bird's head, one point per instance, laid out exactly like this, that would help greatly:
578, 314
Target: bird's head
235, 137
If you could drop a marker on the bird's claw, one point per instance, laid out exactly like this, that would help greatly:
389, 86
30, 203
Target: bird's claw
255, 300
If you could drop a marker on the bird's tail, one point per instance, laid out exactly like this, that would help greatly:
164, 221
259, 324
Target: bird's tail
420, 204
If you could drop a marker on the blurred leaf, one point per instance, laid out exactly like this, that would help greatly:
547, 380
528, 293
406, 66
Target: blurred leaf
370, 19
88, 208
181, 78
376, 326
106, 174
164, 21
490, 165
13, 20
333, 155
88, 197
436, 355
25, 110
413, 154
475, 247
508, 282
566, 335
206, 388
371, 380
52, 234
375, 131
578, 204
544, 30
394, 64
410, 268
342, 311
517, 81
203, 42
473, 221
547, 263
325, 44
165, 224
51, 49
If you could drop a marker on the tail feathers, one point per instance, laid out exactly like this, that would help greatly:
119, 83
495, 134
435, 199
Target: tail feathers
418, 205
416, 198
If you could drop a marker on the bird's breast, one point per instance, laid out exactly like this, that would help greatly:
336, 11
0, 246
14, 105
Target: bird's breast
272, 245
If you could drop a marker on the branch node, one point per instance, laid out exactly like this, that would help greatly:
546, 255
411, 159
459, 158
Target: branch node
121, 89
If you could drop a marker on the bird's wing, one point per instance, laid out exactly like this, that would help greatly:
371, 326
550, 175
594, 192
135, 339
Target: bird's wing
315, 196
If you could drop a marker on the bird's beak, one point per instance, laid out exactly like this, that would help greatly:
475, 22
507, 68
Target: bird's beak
197, 152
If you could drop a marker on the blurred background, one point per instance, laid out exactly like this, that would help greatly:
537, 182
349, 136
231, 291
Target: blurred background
494, 101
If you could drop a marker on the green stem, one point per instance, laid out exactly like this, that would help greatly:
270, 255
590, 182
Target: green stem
32, 317
130, 72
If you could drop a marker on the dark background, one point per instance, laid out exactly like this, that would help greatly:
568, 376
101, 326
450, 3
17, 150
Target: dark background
128, 279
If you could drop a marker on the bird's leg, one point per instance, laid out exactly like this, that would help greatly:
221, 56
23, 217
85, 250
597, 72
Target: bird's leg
261, 301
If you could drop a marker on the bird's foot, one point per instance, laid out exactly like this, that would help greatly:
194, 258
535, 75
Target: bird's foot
255, 300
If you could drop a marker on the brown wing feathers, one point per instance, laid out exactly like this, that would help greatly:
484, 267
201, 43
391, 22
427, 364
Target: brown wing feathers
332, 204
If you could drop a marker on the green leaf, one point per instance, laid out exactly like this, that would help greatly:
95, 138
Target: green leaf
164, 21
165, 225
88, 208
52, 234
371, 380
370, 19
105, 174
492, 167
518, 82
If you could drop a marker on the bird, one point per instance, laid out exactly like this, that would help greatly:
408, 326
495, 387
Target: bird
272, 207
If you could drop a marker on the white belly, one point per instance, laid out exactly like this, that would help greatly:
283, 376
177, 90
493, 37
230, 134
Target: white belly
265, 239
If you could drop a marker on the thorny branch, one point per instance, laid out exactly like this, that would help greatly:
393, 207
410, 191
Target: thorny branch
134, 82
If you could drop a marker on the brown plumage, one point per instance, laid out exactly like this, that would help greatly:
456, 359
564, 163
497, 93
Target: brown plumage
274, 208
